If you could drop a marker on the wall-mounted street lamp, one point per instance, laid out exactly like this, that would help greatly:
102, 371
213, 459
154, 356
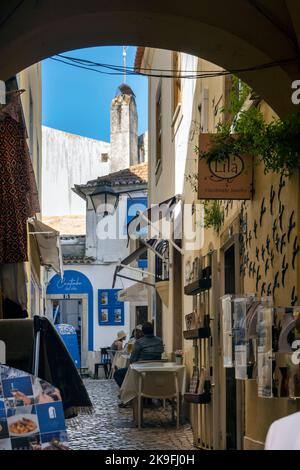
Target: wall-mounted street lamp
104, 200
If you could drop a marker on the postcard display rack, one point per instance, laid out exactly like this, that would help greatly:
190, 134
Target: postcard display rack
262, 342
198, 330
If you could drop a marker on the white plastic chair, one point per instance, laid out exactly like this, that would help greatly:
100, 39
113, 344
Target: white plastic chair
158, 385
112, 368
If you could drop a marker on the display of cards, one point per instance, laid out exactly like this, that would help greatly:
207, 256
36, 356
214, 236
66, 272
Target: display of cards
31, 413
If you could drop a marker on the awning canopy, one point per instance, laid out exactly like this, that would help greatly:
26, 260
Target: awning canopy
135, 293
159, 247
48, 243
152, 217
162, 221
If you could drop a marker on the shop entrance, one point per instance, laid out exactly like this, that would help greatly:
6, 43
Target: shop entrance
71, 310
231, 402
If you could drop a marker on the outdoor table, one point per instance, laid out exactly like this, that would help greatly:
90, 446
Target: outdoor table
129, 389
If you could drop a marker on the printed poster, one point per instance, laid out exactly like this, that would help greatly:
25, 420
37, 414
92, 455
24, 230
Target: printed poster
31, 413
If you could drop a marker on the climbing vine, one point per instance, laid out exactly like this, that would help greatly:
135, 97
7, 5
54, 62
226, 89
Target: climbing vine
213, 214
245, 132
276, 144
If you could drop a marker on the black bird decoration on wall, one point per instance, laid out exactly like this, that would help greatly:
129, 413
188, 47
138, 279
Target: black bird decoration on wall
268, 241
276, 284
226, 208
284, 268
246, 259
263, 289
258, 277
272, 258
277, 241
263, 250
263, 210
250, 269
249, 238
267, 267
281, 212
294, 297
281, 186
272, 196
282, 242
269, 289
255, 229
292, 225
295, 251
274, 229
257, 253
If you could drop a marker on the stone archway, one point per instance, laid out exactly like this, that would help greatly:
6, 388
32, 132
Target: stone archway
235, 34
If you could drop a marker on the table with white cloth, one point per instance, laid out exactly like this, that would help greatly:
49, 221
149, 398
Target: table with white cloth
130, 386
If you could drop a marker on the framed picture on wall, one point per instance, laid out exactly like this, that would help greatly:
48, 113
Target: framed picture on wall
104, 298
104, 315
117, 315
110, 308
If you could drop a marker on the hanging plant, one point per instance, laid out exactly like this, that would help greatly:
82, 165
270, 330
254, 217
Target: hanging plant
276, 144
213, 214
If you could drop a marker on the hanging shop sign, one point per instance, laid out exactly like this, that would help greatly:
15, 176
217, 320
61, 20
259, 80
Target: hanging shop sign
230, 179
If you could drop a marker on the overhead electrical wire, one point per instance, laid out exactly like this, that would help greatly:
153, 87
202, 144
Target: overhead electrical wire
110, 69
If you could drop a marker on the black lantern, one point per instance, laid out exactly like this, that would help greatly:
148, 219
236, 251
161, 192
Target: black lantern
104, 200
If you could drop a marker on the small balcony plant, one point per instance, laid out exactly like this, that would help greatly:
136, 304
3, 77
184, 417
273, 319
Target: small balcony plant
179, 356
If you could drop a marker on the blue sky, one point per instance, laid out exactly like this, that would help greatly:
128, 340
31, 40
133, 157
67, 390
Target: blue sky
78, 101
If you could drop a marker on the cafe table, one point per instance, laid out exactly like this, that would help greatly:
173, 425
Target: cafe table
130, 386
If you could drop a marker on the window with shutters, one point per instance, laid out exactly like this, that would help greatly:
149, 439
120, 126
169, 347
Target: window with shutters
158, 127
176, 82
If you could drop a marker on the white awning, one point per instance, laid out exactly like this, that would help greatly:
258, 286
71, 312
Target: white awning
48, 243
162, 221
152, 217
136, 293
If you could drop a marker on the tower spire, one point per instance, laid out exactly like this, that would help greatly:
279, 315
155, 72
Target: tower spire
124, 63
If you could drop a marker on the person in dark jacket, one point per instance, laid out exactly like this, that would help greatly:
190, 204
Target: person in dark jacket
147, 348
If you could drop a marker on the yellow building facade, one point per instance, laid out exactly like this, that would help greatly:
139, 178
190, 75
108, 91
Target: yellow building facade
255, 249
30, 80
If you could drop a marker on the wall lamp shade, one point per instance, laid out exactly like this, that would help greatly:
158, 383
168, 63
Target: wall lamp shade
104, 200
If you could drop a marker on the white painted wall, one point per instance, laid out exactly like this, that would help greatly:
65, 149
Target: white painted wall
114, 248
69, 159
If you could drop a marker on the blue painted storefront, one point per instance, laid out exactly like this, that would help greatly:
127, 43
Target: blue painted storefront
74, 282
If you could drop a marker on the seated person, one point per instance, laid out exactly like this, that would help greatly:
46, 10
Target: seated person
136, 334
118, 343
147, 348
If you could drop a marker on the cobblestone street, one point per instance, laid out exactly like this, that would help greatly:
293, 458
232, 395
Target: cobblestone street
111, 427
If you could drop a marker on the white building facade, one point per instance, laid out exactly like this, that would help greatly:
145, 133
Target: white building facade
87, 296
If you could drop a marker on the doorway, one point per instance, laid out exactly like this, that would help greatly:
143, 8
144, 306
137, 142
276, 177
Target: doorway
141, 314
69, 311
231, 400
72, 310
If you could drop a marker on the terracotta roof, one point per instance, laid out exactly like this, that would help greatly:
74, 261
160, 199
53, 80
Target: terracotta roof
67, 224
79, 260
138, 58
135, 174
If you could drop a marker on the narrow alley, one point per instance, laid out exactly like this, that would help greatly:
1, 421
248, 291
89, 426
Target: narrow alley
111, 427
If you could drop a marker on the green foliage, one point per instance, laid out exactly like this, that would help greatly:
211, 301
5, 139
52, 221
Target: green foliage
276, 144
213, 214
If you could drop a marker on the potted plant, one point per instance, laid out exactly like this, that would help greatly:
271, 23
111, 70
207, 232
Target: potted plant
178, 356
